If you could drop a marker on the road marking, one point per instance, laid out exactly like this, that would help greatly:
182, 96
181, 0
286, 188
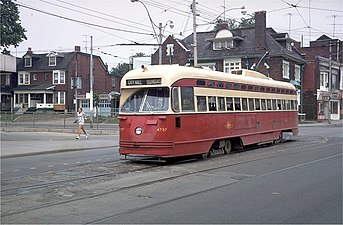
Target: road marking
15, 170
65, 164
33, 168
88, 161
98, 160
78, 162
50, 166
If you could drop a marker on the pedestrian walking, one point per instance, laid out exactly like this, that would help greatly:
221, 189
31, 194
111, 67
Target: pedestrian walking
81, 117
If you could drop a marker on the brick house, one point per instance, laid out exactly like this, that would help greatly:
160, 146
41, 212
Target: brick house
52, 80
223, 50
323, 79
8, 80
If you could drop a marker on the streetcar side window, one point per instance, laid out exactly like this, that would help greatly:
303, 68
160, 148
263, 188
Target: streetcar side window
244, 104
263, 104
237, 104
229, 104
283, 105
257, 104
221, 104
269, 104
288, 103
201, 104
292, 104
251, 104
175, 99
274, 104
279, 106
212, 106
187, 99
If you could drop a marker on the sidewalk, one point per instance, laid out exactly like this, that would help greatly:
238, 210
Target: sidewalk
17, 144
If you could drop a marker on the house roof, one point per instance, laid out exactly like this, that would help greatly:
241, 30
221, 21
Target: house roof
246, 36
40, 62
39, 87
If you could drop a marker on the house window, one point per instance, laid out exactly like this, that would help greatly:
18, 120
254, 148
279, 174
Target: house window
334, 75
297, 72
85, 103
113, 81
60, 98
104, 104
324, 81
285, 69
8, 79
34, 76
28, 62
222, 44
58, 77
24, 79
52, 60
232, 64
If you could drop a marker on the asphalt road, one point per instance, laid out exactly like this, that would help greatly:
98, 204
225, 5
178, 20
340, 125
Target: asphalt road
299, 181
37, 164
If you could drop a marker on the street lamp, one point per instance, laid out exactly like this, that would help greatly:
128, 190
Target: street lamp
160, 28
243, 12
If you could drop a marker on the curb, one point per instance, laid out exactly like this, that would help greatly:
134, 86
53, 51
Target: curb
53, 151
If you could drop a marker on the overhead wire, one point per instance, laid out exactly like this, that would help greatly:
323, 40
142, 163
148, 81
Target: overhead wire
88, 14
79, 21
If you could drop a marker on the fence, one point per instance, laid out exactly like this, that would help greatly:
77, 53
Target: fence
60, 120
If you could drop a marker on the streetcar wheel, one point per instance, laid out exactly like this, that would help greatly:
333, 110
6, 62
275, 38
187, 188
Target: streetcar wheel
279, 140
204, 155
228, 146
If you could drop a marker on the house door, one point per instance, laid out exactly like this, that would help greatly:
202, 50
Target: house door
335, 109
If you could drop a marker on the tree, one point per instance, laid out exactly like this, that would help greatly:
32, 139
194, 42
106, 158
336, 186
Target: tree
120, 70
12, 33
140, 54
247, 22
237, 23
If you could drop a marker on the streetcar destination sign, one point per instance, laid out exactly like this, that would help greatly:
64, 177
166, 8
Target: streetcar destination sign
150, 81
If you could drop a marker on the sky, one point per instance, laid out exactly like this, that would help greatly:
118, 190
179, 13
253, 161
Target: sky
59, 25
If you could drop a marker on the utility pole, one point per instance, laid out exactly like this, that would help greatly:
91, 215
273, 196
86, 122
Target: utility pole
91, 80
195, 50
330, 81
160, 44
75, 84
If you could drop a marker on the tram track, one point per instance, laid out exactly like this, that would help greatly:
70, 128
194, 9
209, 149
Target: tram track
16, 190
277, 153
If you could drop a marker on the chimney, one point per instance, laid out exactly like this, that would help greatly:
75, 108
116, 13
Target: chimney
260, 30
29, 50
77, 48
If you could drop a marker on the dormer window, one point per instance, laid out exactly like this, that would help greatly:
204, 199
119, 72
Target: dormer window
224, 40
52, 56
27, 62
222, 44
52, 60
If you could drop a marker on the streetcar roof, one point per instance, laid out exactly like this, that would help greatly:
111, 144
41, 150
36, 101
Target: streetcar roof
169, 74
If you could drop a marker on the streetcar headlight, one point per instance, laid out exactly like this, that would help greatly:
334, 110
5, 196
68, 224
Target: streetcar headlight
138, 130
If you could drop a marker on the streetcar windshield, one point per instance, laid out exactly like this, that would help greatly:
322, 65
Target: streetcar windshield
147, 100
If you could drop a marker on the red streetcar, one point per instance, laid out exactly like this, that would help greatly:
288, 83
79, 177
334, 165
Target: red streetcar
170, 111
